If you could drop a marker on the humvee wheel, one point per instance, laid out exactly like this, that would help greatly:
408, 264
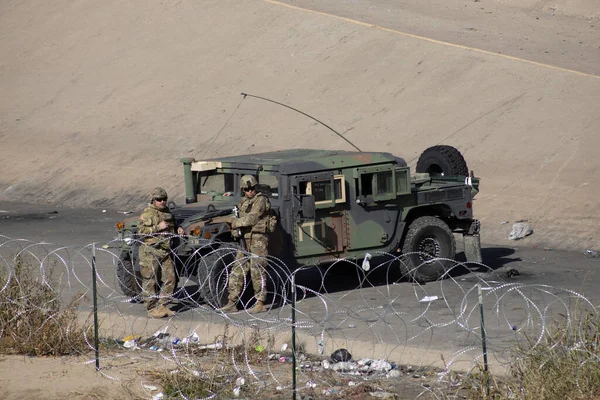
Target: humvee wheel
130, 280
213, 274
427, 239
442, 160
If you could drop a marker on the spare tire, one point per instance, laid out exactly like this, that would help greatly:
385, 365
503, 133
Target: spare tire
442, 160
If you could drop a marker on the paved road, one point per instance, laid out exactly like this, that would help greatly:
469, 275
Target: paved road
378, 311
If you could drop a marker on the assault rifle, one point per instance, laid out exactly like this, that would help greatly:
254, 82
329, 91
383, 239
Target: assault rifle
218, 213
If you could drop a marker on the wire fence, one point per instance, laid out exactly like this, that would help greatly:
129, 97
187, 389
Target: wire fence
344, 330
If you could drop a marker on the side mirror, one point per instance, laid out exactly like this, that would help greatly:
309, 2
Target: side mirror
307, 206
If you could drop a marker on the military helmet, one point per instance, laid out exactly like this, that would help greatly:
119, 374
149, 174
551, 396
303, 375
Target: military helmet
248, 182
158, 193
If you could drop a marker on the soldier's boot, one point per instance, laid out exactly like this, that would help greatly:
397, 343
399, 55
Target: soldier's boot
231, 306
157, 312
167, 311
258, 307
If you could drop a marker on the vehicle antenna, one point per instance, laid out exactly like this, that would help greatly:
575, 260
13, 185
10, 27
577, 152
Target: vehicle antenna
303, 113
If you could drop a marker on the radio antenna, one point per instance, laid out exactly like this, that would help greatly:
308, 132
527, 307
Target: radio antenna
303, 113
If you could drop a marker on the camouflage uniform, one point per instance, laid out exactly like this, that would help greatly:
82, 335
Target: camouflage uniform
156, 265
253, 227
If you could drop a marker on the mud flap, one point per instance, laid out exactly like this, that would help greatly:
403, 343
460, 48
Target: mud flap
473, 248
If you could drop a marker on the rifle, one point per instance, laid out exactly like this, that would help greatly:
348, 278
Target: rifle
236, 212
220, 213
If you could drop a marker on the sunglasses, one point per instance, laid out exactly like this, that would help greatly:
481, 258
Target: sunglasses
160, 199
248, 190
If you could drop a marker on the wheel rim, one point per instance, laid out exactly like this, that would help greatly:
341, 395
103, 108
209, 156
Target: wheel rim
435, 170
429, 248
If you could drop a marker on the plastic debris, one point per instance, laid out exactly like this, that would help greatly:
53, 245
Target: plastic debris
214, 346
341, 355
428, 299
162, 330
236, 391
590, 253
520, 230
158, 396
383, 395
321, 347
325, 364
311, 384
259, 348
130, 344
150, 387
284, 347
240, 381
393, 374
344, 366
366, 265
193, 338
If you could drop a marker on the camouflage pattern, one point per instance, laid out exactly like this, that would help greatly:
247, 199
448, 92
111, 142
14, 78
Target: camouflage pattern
381, 198
248, 182
253, 215
255, 263
252, 222
156, 265
158, 193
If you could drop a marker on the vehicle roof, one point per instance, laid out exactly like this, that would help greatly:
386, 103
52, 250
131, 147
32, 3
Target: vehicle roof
305, 160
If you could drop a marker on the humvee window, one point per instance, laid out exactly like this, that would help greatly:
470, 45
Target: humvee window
378, 183
321, 190
219, 183
402, 181
271, 182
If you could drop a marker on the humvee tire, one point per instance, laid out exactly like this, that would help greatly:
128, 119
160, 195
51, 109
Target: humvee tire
213, 274
428, 238
442, 160
130, 280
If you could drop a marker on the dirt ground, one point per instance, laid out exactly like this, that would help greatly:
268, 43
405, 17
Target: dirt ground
51, 378
127, 374
102, 98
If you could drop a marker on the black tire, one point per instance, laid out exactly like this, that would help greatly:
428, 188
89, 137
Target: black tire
442, 160
427, 239
213, 273
130, 280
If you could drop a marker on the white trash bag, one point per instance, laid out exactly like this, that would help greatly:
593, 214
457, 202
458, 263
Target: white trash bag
520, 230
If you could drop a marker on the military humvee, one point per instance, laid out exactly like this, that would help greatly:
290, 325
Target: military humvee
330, 205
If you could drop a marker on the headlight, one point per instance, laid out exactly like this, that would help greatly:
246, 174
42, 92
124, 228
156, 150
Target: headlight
128, 237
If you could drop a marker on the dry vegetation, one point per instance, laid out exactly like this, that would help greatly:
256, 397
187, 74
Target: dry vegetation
33, 320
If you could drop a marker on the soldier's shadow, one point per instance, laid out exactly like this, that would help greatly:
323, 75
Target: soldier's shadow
187, 298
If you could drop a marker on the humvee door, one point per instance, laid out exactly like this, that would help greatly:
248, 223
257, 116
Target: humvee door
324, 236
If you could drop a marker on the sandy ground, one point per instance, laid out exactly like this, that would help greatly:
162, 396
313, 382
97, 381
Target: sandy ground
73, 378
102, 98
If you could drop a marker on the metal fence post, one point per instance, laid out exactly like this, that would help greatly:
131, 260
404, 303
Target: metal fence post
94, 294
294, 336
483, 341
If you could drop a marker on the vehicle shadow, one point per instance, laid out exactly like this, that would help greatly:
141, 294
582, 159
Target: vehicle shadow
346, 276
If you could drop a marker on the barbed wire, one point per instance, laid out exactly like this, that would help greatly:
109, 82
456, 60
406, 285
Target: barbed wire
357, 328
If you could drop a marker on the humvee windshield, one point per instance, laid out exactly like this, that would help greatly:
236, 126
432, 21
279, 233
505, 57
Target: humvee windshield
214, 182
269, 184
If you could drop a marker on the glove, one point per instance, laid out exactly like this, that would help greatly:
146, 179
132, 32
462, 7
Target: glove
233, 221
235, 233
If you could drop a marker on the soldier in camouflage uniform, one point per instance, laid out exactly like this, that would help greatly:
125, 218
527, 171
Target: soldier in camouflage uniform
252, 225
157, 226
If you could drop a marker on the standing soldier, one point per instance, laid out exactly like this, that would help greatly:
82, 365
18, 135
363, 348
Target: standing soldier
156, 265
253, 225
